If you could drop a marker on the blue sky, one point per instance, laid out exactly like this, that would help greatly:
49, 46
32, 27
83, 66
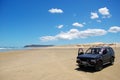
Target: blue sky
59, 22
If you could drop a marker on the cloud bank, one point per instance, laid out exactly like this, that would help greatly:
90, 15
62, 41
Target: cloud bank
74, 34
77, 34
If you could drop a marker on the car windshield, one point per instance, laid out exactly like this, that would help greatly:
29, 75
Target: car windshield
93, 51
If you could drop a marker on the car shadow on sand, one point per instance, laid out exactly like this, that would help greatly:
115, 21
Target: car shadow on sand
91, 69
86, 69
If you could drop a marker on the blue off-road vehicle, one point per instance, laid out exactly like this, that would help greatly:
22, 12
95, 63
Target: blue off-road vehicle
95, 57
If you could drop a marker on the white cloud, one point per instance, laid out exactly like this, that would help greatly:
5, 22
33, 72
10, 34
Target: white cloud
105, 12
47, 38
55, 10
94, 15
93, 32
74, 34
60, 26
76, 24
114, 29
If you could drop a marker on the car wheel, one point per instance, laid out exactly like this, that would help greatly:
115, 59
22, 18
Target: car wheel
99, 66
112, 61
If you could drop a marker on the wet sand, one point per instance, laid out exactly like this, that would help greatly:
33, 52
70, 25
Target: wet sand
52, 64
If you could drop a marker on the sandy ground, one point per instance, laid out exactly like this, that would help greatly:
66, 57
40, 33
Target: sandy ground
52, 64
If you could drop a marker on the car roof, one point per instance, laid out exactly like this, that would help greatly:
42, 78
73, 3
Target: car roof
100, 47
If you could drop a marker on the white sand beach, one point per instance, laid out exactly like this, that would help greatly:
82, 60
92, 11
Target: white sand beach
53, 63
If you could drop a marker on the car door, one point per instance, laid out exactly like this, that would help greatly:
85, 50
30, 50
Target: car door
110, 52
80, 51
106, 55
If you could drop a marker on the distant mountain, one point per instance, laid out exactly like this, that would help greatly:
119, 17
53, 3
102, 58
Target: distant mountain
34, 45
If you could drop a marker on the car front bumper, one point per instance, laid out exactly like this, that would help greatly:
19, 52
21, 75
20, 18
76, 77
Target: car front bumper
85, 63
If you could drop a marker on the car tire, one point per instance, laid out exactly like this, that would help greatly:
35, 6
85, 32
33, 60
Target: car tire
99, 66
111, 60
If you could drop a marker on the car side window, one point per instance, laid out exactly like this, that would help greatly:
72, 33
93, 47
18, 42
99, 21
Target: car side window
111, 50
105, 51
108, 50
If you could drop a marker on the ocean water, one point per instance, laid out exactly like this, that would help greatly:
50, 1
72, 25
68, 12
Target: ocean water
2, 49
